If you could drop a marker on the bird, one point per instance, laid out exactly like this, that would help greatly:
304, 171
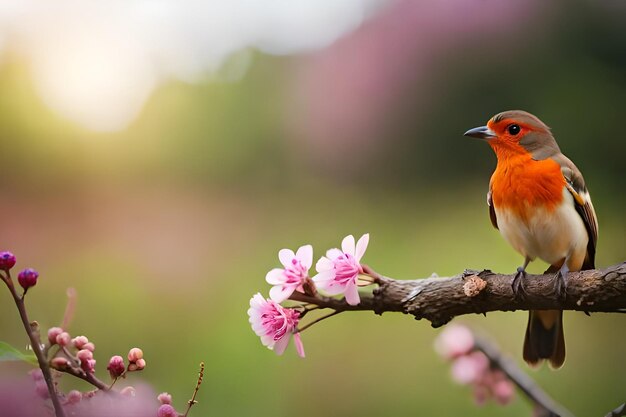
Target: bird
539, 202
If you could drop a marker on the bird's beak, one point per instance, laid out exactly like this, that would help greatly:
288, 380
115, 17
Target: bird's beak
482, 132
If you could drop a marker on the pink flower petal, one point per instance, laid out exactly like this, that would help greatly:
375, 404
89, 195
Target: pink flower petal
361, 246
281, 293
333, 254
324, 264
286, 256
352, 295
275, 277
305, 256
347, 245
455, 340
299, 346
281, 345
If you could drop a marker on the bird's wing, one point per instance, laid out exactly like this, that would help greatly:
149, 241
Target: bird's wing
575, 184
492, 211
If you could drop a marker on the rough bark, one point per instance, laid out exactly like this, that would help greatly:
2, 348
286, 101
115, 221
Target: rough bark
439, 300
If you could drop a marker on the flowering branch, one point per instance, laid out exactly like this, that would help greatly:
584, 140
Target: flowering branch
34, 339
62, 354
545, 406
597, 290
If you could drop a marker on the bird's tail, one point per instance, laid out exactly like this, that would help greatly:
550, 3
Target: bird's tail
544, 338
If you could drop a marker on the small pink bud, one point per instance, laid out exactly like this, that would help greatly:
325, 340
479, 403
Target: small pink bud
63, 339
116, 366
59, 363
84, 355
27, 278
89, 366
74, 397
135, 354
141, 363
53, 332
166, 410
470, 368
165, 398
79, 342
89, 346
7, 260
137, 366
128, 391
503, 391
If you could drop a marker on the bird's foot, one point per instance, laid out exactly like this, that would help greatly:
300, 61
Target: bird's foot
519, 292
560, 283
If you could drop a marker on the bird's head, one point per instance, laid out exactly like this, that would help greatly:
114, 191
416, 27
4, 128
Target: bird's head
514, 132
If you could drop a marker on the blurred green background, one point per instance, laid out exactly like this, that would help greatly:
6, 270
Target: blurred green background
167, 226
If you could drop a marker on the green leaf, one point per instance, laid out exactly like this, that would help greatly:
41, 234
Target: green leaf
9, 353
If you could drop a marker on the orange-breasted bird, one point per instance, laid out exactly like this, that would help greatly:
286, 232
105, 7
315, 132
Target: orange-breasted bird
538, 200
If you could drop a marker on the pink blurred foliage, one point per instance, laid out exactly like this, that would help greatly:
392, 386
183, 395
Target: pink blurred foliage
345, 94
18, 398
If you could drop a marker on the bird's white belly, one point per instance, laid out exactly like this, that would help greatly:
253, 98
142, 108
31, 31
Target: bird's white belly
549, 235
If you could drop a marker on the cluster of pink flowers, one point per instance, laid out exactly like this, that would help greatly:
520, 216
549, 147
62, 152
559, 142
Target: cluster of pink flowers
472, 367
337, 274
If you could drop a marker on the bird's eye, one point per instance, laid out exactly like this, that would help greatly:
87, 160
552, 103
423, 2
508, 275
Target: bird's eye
513, 129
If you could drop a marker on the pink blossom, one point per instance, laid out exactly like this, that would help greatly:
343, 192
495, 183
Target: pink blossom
166, 410
296, 270
116, 366
502, 389
470, 368
455, 340
80, 341
135, 354
74, 397
274, 324
339, 270
63, 339
53, 332
165, 398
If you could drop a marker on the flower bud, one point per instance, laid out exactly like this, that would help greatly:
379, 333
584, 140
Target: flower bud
89, 366
165, 398
53, 332
63, 339
79, 342
89, 346
166, 410
116, 366
27, 278
59, 363
137, 366
135, 354
7, 260
84, 355
74, 397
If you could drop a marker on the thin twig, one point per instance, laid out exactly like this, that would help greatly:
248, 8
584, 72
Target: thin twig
526, 384
318, 320
36, 346
193, 401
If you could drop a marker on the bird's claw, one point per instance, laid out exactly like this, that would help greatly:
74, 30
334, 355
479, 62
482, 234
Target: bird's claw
560, 285
519, 292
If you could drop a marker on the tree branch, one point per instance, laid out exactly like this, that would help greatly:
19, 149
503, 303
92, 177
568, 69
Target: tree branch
547, 407
439, 300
